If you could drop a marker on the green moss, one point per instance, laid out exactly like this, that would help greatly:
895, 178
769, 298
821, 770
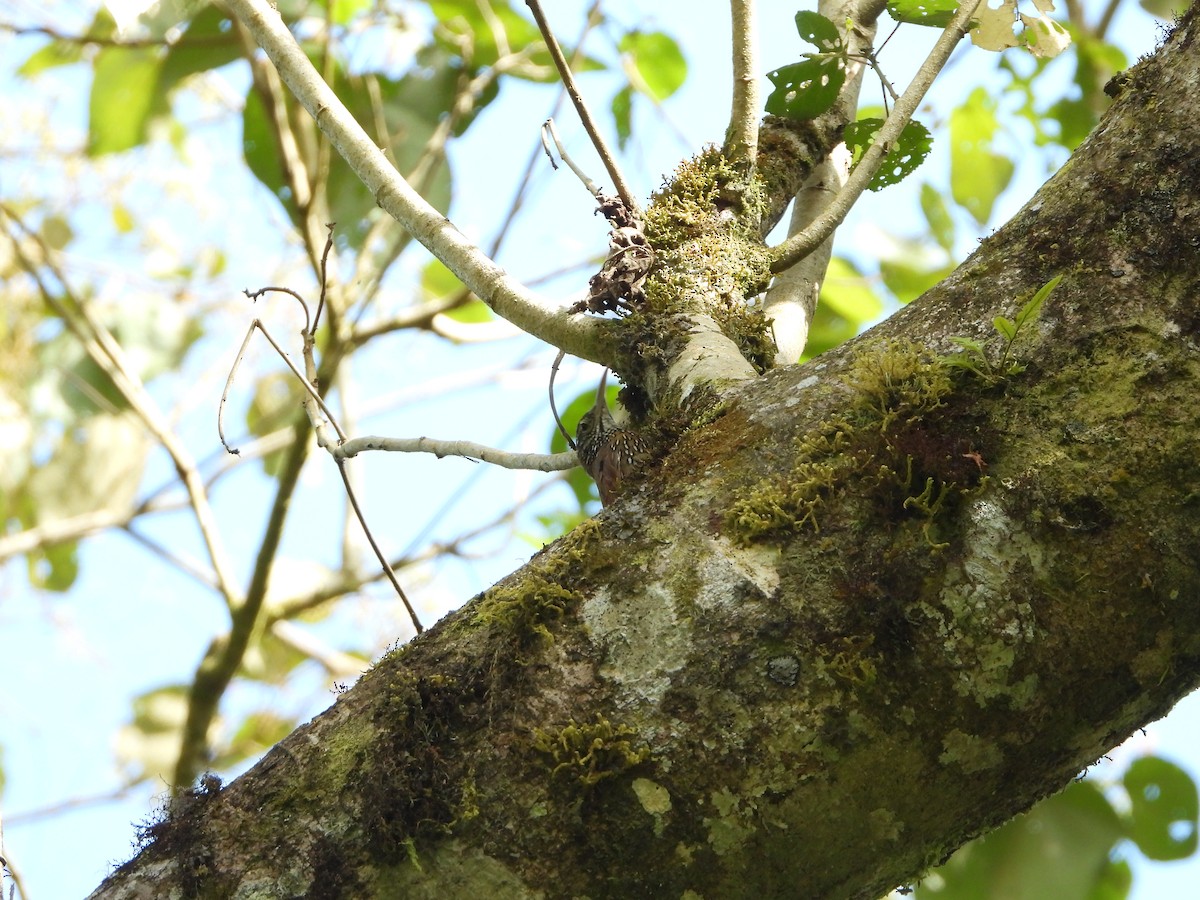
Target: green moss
410, 778
710, 260
899, 382
525, 609
853, 663
590, 752
891, 448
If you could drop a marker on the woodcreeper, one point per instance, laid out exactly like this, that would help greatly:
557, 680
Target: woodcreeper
606, 451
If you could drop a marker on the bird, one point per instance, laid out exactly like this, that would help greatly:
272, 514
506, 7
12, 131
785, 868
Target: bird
607, 452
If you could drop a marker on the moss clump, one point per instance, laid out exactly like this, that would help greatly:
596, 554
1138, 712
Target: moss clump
710, 260
525, 609
899, 383
415, 789
890, 448
590, 752
854, 662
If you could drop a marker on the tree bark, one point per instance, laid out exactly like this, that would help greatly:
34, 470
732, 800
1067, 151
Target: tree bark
878, 606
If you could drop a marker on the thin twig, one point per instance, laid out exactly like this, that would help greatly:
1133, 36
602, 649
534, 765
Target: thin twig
254, 295
362, 520
795, 248
184, 565
548, 129
590, 21
554, 409
237, 361
91, 40
290, 607
585, 115
311, 330
308, 388
741, 141
1106, 19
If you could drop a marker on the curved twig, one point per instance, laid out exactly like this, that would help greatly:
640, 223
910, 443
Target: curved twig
362, 520
554, 409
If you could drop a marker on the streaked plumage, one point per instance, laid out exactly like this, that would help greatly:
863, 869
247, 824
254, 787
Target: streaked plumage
608, 453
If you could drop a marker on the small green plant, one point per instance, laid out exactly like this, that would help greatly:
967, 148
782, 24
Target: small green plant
974, 356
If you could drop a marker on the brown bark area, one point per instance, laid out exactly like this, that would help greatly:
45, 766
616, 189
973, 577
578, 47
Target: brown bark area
659, 703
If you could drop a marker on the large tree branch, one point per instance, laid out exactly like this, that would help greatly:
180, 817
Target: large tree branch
699, 691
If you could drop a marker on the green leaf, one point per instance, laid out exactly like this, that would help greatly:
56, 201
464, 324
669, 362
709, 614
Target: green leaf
464, 30
124, 98
52, 55
847, 292
933, 13
259, 731
622, 110
658, 62
56, 232
345, 10
149, 745
1060, 848
208, 42
819, 31
62, 53
54, 568
1030, 310
978, 174
909, 278
968, 344
437, 281
276, 403
122, 218
901, 160
96, 465
1164, 808
1005, 327
937, 214
806, 89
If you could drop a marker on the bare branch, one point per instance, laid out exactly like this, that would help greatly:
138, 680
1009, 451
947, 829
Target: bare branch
537, 462
553, 407
585, 116
797, 247
309, 389
551, 132
741, 139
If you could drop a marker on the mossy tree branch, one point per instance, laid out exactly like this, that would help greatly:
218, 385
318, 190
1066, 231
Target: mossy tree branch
685, 691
